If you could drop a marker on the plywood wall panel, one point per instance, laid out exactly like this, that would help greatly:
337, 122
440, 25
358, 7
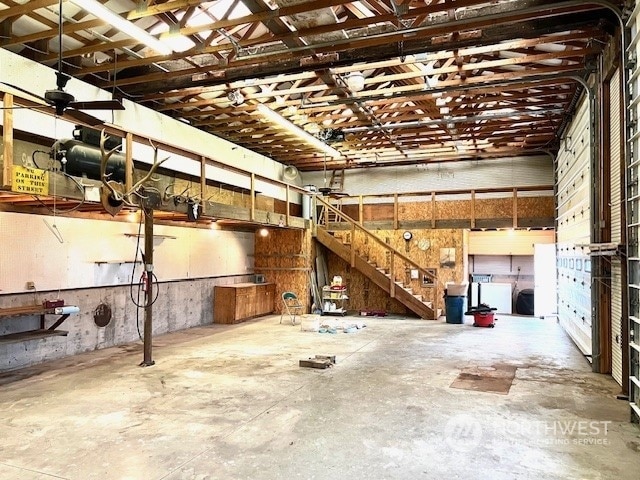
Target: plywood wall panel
453, 209
414, 211
494, 208
284, 256
532, 207
541, 207
363, 294
263, 203
381, 211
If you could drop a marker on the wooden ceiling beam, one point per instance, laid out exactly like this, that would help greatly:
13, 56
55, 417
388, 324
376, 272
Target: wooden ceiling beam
353, 51
17, 10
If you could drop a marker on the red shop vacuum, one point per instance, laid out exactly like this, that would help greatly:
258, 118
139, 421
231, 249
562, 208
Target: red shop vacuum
483, 315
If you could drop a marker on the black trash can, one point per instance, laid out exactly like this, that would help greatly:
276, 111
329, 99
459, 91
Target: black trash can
524, 302
454, 308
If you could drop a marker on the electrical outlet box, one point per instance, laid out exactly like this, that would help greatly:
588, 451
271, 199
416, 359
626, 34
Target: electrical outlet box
31, 286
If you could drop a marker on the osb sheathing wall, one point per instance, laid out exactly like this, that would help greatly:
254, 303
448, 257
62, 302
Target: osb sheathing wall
229, 196
285, 256
527, 208
364, 294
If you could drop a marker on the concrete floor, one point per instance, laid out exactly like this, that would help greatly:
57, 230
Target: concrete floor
230, 402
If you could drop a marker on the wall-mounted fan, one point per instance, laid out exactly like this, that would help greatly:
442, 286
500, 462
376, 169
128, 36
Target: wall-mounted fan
64, 102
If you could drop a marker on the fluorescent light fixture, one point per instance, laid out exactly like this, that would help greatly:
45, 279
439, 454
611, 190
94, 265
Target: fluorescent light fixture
125, 26
296, 130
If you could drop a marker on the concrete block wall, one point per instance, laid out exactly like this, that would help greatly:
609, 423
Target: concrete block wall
180, 305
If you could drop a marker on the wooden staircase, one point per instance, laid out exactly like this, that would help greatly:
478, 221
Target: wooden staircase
380, 276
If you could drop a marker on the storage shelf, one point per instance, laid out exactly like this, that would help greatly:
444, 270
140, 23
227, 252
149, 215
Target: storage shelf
115, 262
336, 296
154, 236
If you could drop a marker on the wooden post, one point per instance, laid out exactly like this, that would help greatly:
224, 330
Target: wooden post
473, 209
515, 208
326, 215
360, 210
253, 197
203, 184
7, 134
395, 211
353, 243
148, 308
288, 192
128, 162
392, 277
433, 209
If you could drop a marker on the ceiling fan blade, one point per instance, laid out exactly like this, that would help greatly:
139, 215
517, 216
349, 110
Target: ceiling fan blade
83, 117
33, 95
98, 105
22, 107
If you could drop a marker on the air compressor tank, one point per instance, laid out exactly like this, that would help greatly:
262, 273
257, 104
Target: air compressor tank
84, 161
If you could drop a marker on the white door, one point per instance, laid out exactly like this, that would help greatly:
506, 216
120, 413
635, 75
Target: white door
545, 300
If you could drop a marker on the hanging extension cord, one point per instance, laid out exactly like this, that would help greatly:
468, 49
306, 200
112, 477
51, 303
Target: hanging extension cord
142, 283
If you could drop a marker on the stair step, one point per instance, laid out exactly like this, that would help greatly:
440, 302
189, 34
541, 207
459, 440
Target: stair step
418, 297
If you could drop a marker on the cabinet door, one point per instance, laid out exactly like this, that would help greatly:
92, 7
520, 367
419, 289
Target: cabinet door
224, 305
245, 302
265, 298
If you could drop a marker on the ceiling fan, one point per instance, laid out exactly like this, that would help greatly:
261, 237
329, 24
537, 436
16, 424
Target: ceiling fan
64, 102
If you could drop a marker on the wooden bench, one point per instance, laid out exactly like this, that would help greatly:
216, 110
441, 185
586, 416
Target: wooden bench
30, 311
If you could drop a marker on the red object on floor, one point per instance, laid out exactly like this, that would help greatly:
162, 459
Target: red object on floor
373, 313
483, 319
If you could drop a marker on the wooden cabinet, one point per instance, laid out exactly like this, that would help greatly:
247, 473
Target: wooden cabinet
235, 303
265, 298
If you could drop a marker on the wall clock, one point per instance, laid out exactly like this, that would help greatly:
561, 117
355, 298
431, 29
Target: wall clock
424, 244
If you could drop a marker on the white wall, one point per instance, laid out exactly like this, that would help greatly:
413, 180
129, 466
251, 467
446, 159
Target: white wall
100, 253
508, 242
508, 172
188, 262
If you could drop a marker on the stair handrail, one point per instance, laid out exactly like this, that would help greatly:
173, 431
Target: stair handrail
356, 225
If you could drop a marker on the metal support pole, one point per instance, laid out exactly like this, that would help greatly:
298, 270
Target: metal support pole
148, 268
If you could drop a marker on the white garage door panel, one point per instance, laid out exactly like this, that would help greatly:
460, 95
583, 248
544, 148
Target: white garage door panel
615, 183
633, 222
574, 231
